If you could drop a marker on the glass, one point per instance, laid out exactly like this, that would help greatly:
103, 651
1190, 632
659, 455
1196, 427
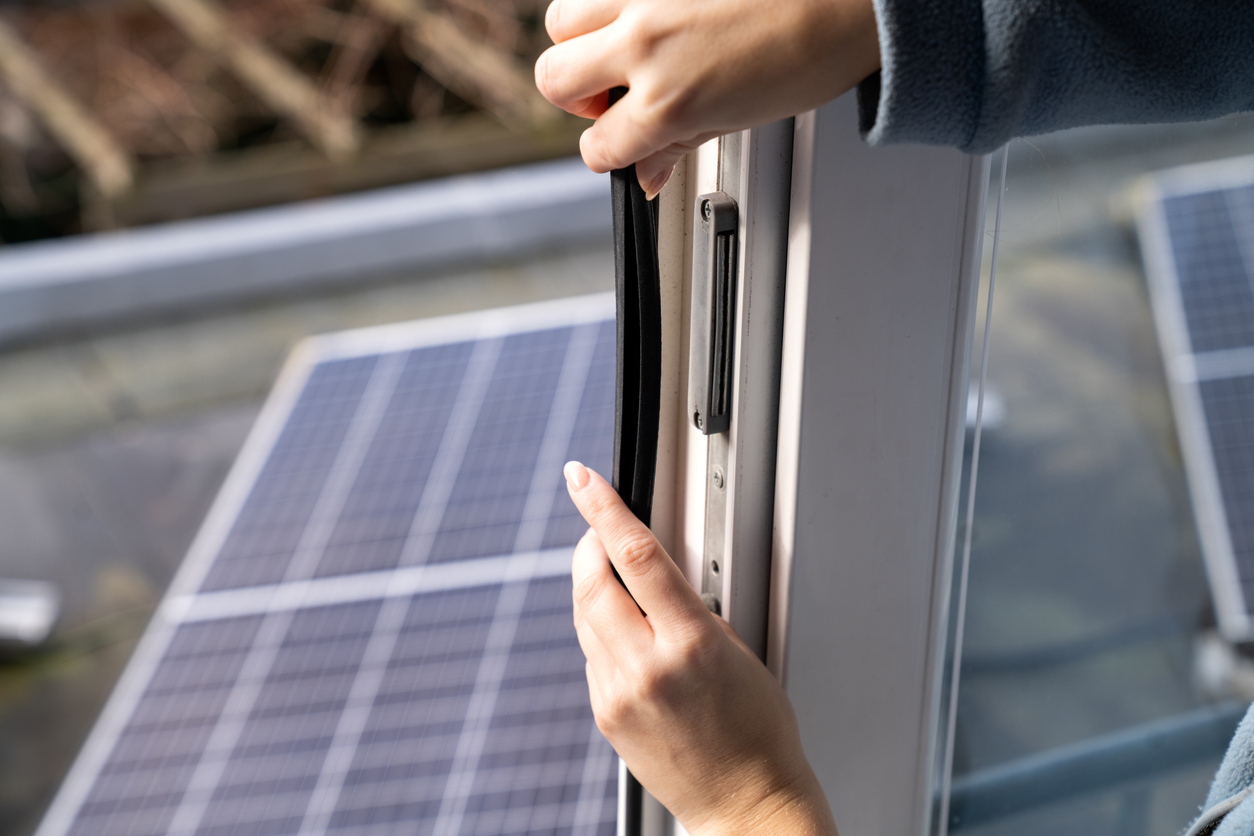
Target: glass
1087, 594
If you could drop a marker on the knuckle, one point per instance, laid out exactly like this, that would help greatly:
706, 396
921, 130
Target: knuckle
579, 618
636, 552
547, 80
541, 71
613, 713
659, 117
585, 594
686, 664
600, 503
660, 684
607, 723
699, 650
555, 78
551, 17
639, 35
649, 127
592, 151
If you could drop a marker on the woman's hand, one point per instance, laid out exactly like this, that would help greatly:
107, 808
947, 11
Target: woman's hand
698, 719
697, 69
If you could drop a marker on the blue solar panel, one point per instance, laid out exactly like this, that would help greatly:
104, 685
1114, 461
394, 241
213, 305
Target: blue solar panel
263, 540
372, 634
1198, 239
1229, 407
1214, 285
372, 528
485, 506
591, 442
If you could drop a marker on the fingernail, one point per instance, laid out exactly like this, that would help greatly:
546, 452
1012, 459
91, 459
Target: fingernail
657, 183
576, 475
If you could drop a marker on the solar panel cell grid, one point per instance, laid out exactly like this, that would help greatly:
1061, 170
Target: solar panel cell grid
541, 729
487, 500
1229, 407
592, 439
273, 769
153, 760
378, 646
1199, 243
1214, 286
270, 524
371, 530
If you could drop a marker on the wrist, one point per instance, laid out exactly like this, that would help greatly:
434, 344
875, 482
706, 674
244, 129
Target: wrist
796, 808
848, 38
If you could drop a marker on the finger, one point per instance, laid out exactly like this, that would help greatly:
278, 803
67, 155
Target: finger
620, 137
599, 660
566, 19
655, 170
572, 74
648, 572
603, 607
593, 690
591, 108
595, 697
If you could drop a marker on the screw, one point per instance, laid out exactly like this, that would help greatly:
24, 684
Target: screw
707, 210
696, 419
718, 481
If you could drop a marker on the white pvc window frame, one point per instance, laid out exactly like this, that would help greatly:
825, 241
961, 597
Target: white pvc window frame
883, 267
856, 301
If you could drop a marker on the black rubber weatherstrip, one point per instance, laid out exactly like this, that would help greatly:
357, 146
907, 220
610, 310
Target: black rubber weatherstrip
639, 385
638, 390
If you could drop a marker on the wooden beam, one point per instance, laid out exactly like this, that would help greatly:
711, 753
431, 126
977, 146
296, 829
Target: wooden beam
103, 160
280, 85
470, 68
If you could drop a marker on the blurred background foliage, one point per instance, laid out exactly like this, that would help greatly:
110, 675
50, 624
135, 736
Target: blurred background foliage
122, 112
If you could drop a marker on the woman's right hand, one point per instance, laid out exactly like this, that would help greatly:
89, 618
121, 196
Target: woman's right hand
697, 69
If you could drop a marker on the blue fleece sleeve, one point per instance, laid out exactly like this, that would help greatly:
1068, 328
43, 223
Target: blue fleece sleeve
973, 74
1229, 809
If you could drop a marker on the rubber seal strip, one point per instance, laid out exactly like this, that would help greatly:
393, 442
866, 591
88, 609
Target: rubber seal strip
638, 388
639, 383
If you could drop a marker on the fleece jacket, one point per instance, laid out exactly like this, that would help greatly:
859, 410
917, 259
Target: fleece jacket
973, 74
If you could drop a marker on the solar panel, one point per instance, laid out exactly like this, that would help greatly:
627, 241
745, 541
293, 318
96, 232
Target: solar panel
1197, 235
371, 633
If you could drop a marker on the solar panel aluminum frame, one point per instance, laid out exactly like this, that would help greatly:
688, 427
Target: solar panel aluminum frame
243, 475
1183, 376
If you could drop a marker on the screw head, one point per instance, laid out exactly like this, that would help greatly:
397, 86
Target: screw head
718, 478
698, 420
707, 210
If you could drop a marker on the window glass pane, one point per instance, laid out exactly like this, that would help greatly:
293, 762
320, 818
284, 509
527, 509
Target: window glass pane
1088, 599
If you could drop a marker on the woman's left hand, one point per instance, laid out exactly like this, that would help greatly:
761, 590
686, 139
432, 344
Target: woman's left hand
698, 718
